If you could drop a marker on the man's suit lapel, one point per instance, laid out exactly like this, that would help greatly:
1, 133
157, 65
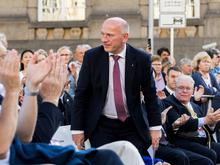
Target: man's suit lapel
130, 66
105, 72
197, 110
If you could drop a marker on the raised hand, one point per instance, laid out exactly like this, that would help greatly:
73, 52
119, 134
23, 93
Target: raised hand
210, 110
198, 92
180, 121
52, 86
9, 71
155, 138
72, 68
161, 95
9, 77
212, 117
36, 72
164, 114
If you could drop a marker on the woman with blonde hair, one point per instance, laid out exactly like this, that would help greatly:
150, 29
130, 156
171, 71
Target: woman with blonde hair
202, 65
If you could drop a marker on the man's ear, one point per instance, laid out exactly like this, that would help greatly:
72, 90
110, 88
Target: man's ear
166, 77
125, 35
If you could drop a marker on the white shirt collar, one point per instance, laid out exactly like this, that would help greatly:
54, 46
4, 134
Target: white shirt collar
169, 90
187, 104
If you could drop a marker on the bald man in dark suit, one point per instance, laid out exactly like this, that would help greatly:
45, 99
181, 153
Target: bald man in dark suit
104, 114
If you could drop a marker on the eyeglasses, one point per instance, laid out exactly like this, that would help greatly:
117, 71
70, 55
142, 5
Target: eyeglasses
64, 54
206, 61
182, 88
156, 64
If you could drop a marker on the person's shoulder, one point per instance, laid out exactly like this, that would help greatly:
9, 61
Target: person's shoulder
165, 103
194, 105
94, 53
211, 75
95, 50
139, 53
195, 73
170, 100
196, 76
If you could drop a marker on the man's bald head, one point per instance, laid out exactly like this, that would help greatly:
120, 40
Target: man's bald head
120, 22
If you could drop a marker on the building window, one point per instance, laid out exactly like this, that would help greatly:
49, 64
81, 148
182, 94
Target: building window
192, 9
61, 10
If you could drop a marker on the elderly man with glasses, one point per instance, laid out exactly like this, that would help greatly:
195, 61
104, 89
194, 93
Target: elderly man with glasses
195, 134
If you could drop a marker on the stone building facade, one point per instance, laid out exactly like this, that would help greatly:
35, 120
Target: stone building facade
19, 21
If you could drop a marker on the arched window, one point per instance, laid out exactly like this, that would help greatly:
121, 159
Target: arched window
61, 10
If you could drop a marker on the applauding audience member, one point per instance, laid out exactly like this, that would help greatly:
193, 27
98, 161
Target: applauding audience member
24, 123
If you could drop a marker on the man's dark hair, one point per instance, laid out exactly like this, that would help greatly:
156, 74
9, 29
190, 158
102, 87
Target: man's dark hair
163, 49
175, 68
211, 52
22, 54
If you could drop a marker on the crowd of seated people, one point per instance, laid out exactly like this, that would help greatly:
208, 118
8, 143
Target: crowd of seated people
192, 95
37, 95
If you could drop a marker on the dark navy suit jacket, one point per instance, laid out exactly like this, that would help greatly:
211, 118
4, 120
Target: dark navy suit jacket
177, 110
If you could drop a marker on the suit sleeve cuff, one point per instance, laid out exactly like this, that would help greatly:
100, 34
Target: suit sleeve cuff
159, 127
201, 121
74, 132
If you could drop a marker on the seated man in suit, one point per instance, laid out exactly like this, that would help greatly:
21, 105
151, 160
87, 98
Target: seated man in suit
12, 151
176, 155
194, 135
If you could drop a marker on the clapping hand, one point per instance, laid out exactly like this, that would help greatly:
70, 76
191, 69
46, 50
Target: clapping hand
180, 121
9, 71
36, 72
212, 117
198, 92
161, 95
52, 86
164, 114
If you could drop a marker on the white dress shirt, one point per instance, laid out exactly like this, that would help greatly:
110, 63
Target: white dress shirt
109, 108
169, 90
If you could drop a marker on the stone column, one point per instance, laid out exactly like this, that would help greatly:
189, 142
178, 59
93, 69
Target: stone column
212, 19
214, 5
